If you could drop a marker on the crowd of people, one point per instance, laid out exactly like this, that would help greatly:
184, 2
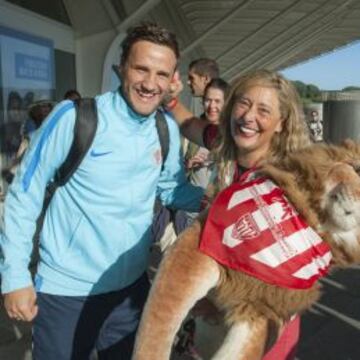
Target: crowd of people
36, 111
91, 282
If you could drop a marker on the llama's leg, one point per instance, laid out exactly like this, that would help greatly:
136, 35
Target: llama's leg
245, 340
185, 276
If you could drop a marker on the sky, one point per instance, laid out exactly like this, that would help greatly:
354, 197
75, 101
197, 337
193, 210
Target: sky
332, 71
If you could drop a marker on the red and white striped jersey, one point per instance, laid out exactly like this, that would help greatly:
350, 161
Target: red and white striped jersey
251, 227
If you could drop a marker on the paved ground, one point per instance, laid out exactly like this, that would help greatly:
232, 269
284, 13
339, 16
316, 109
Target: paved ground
330, 331
15, 339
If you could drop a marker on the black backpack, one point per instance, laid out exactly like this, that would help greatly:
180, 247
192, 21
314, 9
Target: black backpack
84, 133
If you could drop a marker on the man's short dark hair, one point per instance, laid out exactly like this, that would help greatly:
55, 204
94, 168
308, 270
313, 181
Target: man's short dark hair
205, 67
218, 83
149, 32
72, 94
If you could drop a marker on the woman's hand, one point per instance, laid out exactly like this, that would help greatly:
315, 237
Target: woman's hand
198, 160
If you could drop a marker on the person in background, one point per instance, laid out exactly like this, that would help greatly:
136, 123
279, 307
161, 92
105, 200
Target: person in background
197, 159
261, 121
91, 281
315, 126
28, 100
10, 132
200, 73
168, 223
15, 112
72, 94
37, 112
213, 102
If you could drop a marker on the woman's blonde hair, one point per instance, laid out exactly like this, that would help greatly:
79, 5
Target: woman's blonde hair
293, 136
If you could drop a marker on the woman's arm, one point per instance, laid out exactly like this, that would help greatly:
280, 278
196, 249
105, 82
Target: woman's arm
191, 127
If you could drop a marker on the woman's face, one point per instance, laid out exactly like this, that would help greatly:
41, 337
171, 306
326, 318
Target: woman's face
255, 118
213, 104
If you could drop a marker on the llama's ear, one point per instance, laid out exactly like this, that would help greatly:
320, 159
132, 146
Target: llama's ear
352, 148
333, 176
349, 144
340, 173
355, 164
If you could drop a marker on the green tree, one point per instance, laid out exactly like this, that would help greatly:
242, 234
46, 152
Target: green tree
301, 88
313, 92
307, 92
351, 88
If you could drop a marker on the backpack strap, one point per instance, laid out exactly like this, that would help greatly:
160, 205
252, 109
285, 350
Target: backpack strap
84, 133
164, 139
163, 132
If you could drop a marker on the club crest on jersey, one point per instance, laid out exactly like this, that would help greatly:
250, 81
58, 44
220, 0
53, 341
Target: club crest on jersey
157, 157
245, 228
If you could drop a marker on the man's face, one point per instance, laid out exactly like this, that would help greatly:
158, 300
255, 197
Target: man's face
146, 76
197, 83
314, 116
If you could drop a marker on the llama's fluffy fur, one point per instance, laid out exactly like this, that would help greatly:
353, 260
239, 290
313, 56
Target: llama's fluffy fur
323, 185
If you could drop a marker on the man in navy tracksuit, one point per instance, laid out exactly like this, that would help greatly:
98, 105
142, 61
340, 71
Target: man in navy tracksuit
91, 285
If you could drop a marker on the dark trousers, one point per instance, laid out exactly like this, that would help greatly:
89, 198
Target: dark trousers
71, 327
162, 217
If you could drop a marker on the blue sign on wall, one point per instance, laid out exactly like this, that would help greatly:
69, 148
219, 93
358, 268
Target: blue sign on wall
26, 61
31, 67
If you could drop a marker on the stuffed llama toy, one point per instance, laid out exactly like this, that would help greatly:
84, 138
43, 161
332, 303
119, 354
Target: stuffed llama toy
259, 252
